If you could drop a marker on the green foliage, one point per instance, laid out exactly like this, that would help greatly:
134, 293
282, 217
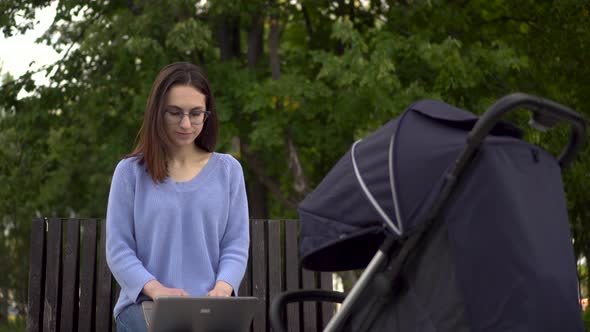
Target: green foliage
187, 36
15, 326
586, 318
345, 71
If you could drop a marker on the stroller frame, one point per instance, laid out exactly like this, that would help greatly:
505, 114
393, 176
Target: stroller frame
383, 269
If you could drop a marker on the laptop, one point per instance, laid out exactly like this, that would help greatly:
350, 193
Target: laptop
200, 313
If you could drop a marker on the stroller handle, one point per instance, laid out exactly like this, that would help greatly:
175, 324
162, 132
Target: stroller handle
545, 112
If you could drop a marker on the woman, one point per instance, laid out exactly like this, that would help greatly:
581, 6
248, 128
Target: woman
177, 217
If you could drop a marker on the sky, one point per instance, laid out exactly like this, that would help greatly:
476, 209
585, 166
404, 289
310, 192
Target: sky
17, 52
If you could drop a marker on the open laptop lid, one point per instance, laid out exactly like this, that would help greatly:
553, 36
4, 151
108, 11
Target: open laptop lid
191, 313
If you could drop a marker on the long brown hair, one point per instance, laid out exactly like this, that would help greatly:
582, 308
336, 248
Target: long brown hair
153, 144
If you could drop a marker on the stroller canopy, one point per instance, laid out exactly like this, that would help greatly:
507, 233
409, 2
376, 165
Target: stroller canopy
399, 165
498, 256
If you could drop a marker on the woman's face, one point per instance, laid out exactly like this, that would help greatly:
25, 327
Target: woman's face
184, 114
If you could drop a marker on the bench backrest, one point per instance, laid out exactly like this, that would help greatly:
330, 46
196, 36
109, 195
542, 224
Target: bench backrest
71, 287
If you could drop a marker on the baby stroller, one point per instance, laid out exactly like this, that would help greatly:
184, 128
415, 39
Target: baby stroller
459, 223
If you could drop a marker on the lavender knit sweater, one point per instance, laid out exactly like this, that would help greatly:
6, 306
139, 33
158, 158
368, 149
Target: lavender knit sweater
184, 234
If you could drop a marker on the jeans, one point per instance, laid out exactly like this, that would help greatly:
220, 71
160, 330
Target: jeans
131, 319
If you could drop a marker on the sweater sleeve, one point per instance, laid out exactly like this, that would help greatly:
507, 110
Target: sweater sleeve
236, 239
121, 255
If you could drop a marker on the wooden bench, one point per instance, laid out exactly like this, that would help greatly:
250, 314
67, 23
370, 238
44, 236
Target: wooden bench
71, 287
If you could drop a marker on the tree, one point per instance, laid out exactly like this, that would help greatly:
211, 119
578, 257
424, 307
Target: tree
296, 83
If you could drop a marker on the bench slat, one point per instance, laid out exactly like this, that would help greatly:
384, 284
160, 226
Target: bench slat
275, 264
52, 286
310, 321
36, 276
327, 308
104, 287
87, 272
292, 272
259, 273
69, 294
246, 285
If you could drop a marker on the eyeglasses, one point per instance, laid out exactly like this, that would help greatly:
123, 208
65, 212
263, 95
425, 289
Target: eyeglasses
175, 116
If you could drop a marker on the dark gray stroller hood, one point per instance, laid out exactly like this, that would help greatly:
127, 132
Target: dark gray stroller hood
502, 256
423, 142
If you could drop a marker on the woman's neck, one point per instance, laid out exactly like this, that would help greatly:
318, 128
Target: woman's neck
186, 155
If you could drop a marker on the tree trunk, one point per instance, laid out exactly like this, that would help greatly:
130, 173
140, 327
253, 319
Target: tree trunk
3, 305
255, 39
300, 184
135, 10
227, 32
308, 24
352, 10
257, 192
270, 184
274, 38
257, 198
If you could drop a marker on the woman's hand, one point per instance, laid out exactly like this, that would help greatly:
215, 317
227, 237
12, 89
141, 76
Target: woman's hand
221, 288
155, 289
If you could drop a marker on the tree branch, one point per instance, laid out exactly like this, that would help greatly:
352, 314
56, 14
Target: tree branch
63, 59
504, 19
300, 184
74, 42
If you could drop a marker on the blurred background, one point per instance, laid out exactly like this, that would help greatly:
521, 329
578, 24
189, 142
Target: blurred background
296, 83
